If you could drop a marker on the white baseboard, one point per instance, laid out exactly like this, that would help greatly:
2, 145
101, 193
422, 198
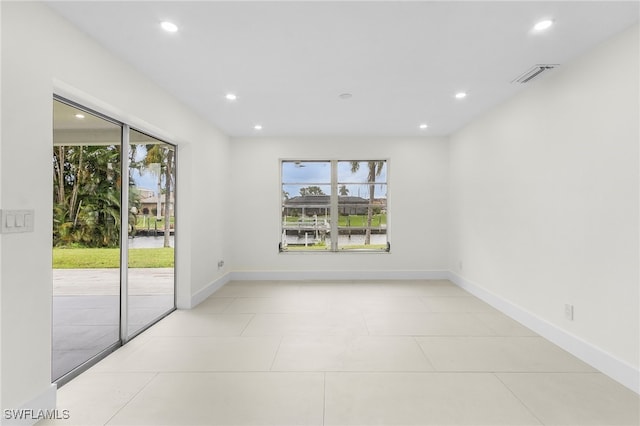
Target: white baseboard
211, 288
42, 406
338, 275
613, 367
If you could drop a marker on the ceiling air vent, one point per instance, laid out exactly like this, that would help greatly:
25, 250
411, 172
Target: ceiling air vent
534, 72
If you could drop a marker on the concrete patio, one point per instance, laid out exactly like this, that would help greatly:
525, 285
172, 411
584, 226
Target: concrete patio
86, 310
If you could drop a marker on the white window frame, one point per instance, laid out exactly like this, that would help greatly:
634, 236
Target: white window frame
333, 205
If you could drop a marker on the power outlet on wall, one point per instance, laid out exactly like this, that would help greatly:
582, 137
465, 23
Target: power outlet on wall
568, 312
220, 264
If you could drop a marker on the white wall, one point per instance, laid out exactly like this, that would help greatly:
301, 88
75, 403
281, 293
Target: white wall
43, 55
418, 220
1, 105
544, 194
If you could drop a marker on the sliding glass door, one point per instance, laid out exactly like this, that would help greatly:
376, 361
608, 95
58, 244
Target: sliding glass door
151, 256
86, 237
113, 267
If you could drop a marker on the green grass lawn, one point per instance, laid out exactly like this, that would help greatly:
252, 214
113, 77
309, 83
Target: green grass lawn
93, 258
151, 222
308, 248
359, 221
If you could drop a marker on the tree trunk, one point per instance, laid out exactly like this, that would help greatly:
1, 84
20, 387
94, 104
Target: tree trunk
372, 188
73, 211
167, 198
60, 157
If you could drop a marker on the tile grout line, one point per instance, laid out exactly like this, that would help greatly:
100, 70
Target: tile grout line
494, 374
275, 355
364, 320
246, 325
226, 308
157, 373
415, 339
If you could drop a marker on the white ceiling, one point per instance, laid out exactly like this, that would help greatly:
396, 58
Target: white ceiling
289, 61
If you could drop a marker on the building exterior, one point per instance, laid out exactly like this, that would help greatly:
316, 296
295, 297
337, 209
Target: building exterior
150, 205
308, 205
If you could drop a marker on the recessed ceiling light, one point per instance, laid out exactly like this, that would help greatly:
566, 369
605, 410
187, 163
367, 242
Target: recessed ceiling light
80, 116
258, 127
423, 126
169, 27
231, 96
461, 95
543, 25
345, 96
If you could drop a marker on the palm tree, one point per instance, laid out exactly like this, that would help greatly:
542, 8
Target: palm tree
311, 190
163, 155
86, 189
375, 169
343, 191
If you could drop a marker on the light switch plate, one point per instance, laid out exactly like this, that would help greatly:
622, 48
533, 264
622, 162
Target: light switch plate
16, 221
568, 312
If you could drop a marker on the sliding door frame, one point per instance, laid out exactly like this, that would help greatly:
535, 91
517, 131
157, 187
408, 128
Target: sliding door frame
124, 337
124, 236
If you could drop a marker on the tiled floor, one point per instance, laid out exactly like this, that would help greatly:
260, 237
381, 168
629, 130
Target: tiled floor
343, 353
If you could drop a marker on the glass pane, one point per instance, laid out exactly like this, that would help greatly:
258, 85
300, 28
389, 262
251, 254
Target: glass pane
362, 193
86, 237
362, 171
306, 228
317, 194
151, 230
306, 201
362, 205
306, 172
363, 226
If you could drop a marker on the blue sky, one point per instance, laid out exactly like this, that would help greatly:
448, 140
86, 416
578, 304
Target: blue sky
307, 173
143, 178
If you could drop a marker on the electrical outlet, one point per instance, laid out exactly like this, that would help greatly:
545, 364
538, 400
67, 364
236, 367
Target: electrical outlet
220, 264
568, 312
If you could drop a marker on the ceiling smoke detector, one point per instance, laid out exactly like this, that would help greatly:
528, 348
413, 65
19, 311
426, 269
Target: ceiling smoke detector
534, 72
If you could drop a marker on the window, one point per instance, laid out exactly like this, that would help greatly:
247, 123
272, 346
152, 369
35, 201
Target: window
334, 205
